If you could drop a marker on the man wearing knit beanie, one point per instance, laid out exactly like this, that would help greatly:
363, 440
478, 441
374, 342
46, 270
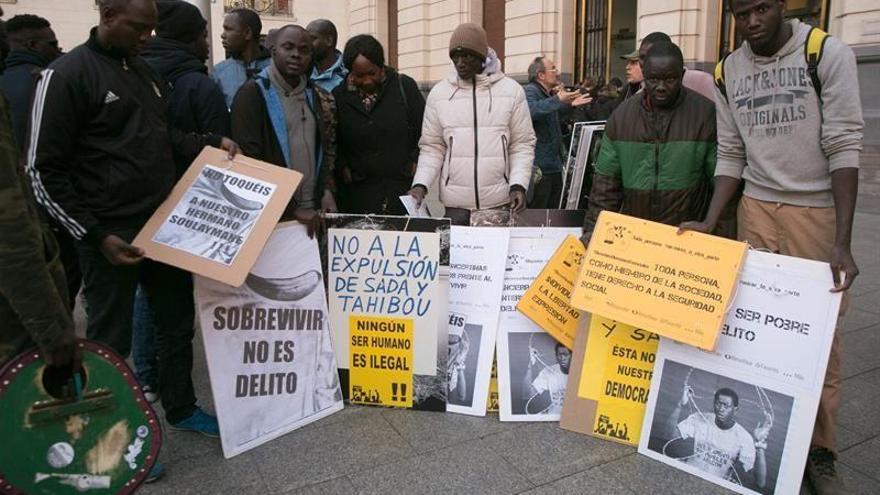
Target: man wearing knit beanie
195, 105
477, 140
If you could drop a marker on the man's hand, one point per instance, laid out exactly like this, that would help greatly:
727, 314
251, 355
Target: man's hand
419, 193
517, 201
533, 357
120, 253
686, 395
703, 227
762, 431
582, 100
230, 147
842, 261
328, 203
64, 351
313, 221
567, 97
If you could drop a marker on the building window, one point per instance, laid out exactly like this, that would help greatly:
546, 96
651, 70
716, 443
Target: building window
282, 8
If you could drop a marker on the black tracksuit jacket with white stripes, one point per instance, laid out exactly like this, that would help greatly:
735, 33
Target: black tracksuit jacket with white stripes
100, 156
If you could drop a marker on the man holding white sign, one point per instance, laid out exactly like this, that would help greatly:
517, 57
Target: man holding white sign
101, 162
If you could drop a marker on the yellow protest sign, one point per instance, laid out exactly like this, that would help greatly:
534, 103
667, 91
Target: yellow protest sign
617, 371
547, 301
645, 274
381, 360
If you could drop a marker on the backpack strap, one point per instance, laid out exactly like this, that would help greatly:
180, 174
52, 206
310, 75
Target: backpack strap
813, 49
719, 77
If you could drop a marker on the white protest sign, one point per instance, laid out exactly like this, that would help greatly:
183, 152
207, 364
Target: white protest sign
388, 307
532, 368
476, 275
268, 344
743, 415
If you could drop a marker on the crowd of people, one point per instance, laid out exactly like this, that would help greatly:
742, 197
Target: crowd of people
93, 140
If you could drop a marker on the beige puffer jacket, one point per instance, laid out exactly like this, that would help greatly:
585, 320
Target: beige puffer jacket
478, 140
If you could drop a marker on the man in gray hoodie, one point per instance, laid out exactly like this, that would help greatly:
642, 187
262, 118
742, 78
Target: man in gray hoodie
797, 148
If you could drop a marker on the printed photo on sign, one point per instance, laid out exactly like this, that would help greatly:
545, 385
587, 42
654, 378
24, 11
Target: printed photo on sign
542, 364
522, 346
216, 214
268, 344
723, 427
476, 277
388, 282
464, 349
749, 380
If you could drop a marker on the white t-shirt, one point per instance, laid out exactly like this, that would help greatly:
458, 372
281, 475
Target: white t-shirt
552, 379
715, 450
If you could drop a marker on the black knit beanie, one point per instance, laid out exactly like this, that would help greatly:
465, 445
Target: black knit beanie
179, 21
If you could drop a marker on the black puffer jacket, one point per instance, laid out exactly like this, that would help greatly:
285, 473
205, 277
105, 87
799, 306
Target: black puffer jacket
195, 103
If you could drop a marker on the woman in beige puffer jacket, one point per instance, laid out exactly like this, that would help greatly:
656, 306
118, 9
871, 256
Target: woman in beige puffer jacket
477, 139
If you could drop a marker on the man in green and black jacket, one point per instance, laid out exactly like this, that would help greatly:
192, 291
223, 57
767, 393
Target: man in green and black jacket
658, 153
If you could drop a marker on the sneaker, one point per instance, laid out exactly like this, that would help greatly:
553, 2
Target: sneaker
155, 473
151, 394
823, 474
200, 422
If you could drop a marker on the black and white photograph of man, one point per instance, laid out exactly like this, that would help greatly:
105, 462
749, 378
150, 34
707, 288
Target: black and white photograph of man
464, 350
538, 373
723, 427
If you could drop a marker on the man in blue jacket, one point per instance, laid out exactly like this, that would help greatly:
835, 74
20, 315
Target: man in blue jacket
546, 100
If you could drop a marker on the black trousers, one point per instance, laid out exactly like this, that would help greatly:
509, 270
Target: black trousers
109, 291
547, 192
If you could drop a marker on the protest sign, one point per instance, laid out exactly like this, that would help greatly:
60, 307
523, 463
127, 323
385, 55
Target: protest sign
532, 367
476, 275
743, 415
547, 302
615, 376
647, 275
268, 344
218, 216
388, 292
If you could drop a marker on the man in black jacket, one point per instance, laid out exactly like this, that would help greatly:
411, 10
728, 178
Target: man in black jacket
178, 53
33, 46
100, 162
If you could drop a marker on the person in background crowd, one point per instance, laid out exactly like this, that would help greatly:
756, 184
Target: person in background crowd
379, 123
633, 75
246, 57
658, 152
801, 174
477, 136
101, 161
328, 71
694, 80
547, 99
617, 83
280, 117
195, 104
271, 36
33, 46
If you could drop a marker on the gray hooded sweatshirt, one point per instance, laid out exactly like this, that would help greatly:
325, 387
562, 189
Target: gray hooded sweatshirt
775, 134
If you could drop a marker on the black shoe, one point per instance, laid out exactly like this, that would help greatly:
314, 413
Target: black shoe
822, 473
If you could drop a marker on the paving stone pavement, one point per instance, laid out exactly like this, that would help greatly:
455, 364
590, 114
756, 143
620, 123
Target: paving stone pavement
371, 450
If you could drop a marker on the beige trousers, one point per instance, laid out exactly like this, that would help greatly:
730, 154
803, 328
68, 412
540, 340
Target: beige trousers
803, 232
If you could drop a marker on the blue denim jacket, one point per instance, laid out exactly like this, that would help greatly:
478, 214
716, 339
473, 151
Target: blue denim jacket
231, 73
332, 77
545, 109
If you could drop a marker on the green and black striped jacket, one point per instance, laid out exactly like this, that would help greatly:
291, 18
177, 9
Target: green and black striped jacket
656, 164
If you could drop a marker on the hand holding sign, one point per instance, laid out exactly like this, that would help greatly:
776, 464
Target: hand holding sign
120, 253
